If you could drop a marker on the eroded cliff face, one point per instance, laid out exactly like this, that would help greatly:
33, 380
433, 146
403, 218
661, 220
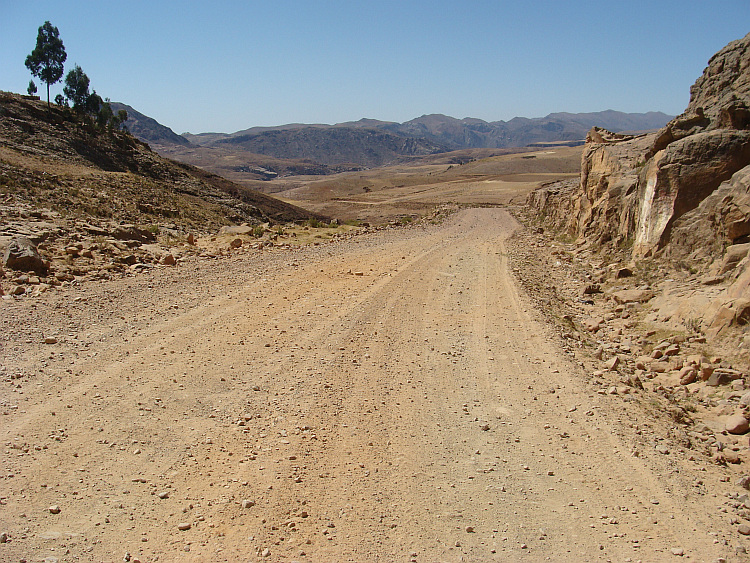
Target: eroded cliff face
679, 177
681, 193
637, 188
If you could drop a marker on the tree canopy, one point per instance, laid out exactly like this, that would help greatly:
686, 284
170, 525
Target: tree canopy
47, 59
77, 88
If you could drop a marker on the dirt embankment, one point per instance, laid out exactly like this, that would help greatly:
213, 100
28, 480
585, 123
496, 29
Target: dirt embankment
390, 398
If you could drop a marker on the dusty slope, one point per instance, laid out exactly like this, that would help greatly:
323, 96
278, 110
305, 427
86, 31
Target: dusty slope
414, 412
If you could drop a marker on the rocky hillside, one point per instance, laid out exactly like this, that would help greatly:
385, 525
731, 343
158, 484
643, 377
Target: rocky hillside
522, 131
147, 129
71, 188
51, 157
334, 145
675, 200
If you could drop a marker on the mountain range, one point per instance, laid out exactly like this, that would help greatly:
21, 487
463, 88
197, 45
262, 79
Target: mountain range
370, 142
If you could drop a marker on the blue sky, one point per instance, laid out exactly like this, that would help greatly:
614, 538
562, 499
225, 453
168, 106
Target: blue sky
227, 65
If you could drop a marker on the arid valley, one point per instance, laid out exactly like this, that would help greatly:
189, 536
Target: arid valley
466, 356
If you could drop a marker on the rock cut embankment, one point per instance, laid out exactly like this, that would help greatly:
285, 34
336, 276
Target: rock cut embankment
680, 195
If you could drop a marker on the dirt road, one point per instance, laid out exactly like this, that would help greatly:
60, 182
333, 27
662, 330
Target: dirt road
389, 399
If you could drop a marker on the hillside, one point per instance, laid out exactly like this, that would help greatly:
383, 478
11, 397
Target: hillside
62, 181
147, 129
114, 175
334, 145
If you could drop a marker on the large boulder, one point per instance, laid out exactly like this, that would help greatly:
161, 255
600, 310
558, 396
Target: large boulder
21, 254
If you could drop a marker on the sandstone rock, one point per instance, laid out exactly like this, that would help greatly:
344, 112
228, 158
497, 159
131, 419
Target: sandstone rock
168, 260
236, 243
737, 424
635, 381
660, 367
191, 239
733, 256
623, 273
54, 509
21, 254
184, 526
661, 191
694, 360
688, 375
718, 378
705, 159
730, 313
236, 230
592, 325
643, 362
731, 456
632, 295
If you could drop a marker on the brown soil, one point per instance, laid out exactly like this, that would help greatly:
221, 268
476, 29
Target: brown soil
395, 397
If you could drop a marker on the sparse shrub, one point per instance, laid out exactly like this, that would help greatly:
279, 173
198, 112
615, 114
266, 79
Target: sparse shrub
31, 90
258, 231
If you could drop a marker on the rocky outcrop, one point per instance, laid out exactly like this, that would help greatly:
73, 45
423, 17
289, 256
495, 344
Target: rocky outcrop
682, 193
636, 189
22, 254
678, 178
